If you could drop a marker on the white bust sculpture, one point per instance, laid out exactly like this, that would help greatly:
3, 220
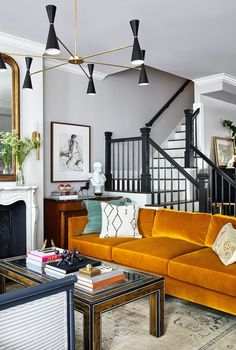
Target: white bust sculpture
97, 179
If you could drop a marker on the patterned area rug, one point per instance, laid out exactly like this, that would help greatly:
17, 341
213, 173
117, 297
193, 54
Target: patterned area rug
188, 327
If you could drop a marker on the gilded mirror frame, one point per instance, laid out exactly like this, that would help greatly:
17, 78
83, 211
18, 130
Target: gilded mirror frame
15, 104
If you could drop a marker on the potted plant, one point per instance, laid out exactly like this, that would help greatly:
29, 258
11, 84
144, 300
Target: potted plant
6, 151
20, 148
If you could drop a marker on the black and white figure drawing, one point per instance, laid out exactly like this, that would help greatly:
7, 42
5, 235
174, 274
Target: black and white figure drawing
70, 152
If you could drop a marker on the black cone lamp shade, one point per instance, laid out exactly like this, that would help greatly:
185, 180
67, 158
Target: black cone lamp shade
143, 79
27, 82
52, 46
137, 57
91, 88
3, 67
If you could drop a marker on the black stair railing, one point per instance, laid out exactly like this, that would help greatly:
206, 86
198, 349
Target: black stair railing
138, 164
167, 104
221, 187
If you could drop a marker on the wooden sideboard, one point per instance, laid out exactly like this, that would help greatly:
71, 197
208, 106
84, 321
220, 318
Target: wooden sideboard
56, 214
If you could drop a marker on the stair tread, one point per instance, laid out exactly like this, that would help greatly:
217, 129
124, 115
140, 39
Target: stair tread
172, 140
172, 148
180, 131
169, 178
167, 191
169, 167
171, 203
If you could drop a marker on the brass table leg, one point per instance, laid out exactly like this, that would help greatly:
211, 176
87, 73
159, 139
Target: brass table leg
157, 313
92, 330
2, 284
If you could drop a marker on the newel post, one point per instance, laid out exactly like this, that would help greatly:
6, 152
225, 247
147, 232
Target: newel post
204, 200
145, 176
108, 174
189, 154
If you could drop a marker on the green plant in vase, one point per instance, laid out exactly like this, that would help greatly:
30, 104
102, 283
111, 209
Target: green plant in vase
6, 151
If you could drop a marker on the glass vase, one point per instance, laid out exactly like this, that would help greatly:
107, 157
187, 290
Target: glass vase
20, 180
7, 169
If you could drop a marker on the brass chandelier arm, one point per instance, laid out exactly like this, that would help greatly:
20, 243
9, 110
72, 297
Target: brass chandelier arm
36, 56
114, 65
107, 51
75, 26
84, 71
65, 47
45, 69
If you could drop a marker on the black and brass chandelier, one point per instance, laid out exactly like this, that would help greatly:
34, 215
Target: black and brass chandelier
53, 49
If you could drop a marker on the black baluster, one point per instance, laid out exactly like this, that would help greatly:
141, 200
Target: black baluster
145, 177
108, 174
189, 154
128, 184
123, 166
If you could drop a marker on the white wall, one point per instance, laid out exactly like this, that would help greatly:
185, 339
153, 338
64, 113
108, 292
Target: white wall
120, 106
31, 114
211, 94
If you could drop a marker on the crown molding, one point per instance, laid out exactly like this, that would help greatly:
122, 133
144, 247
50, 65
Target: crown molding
216, 78
70, 68
21, 43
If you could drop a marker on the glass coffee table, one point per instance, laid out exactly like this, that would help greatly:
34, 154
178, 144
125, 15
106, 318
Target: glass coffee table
136, 285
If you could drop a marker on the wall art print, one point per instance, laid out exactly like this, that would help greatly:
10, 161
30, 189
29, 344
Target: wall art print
224, 150
70, 152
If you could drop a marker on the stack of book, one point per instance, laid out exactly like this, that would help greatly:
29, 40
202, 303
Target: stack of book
37, 259
64, 195
52, 268
108, 277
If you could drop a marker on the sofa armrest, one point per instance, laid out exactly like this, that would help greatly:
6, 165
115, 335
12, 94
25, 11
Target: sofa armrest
76, 225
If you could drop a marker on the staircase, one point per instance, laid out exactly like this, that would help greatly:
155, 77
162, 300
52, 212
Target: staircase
176, 176
170, 188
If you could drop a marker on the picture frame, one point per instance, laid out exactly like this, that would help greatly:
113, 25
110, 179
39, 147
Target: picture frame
224, 150
70, 152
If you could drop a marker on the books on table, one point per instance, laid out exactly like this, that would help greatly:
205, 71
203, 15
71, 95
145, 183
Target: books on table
54, 270
64, 195
108, 277
36, 259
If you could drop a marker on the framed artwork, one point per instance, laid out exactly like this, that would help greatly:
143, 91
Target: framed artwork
70, 152
224, 150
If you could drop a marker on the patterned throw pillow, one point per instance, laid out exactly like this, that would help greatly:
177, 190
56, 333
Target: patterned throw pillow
225, 244
119, 221
94, 210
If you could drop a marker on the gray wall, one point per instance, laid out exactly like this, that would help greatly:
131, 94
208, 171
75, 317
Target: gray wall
120, 106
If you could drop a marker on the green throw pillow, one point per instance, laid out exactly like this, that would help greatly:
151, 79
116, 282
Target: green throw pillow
94, 210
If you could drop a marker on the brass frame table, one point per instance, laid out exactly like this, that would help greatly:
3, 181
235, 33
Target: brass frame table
136, 286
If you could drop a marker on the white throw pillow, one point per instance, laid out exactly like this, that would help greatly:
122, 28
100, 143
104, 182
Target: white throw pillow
119, 221
225, 244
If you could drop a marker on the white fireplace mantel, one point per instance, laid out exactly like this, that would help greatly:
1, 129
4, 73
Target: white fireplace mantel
12, 194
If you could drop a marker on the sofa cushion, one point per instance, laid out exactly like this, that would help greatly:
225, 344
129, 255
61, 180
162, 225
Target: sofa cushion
151, 254
216, 224
92, 245
94, 210
225, 244
145, 221
119, 221
203, 268
191, 227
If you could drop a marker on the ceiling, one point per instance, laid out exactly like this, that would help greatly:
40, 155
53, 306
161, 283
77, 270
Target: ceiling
190, 38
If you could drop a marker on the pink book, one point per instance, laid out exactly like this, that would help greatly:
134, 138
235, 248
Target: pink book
44, 256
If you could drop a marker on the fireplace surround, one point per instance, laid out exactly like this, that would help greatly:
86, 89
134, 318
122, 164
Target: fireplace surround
27, 194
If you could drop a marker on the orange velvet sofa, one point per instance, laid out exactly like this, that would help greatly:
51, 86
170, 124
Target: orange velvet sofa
176, 245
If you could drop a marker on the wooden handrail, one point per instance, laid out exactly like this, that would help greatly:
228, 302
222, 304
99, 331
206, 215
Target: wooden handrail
167, 104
